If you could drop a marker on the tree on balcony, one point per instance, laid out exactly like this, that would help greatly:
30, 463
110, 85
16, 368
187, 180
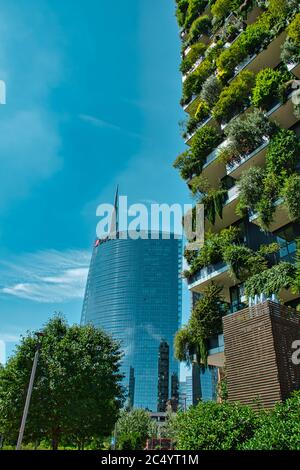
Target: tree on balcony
191, 342
290, 51
245, 134
270, 86
191, 162
234, 98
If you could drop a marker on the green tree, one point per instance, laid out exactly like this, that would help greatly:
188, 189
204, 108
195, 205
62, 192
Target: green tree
280, 429
215, 426
77, 393
133, 428
206, 321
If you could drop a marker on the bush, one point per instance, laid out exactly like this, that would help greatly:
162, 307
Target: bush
290, 52
283, 153
193, 83
205, 321
291, 195
205, 140
250, 189
293, 30
222, 8
213, 248
291, 47
197, 51
181, 11
130, 441
200, 26
133, 428
280, 428
246, 133
268, 87
202, 111
195, 8
191, 162
270, 193
234, 98
211, 90
270, 281
214, 202
243, 261
248, 43
189, 126
215, 426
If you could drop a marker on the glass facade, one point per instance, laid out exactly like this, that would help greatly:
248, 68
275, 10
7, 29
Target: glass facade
133, 292
209, 383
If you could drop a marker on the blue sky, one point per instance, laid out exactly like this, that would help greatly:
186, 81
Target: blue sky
93, 92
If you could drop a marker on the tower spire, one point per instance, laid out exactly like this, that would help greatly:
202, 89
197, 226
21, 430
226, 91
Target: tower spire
115, 216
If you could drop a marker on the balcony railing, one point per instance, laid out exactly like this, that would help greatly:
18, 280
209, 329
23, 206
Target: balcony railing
231, 167
232, 194
207, 273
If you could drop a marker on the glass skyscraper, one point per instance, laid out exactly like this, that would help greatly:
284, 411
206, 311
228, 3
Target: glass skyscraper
133, 292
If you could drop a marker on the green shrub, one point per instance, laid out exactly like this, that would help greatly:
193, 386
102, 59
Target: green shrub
211, 90
280, 428
250, 189
235, 97
294, 30
130, 441
290, 51
181, 11
246, 133
243, 261
222, 8
191, 162
214, 202
266, 205
270, 281
291, 195
296, 282
213, 248
205, 322
189, 126
193, 83
248, 43
268, 87
202, 111
133, 428
215, 426
283, 153
199, 27
197, 51
195, 8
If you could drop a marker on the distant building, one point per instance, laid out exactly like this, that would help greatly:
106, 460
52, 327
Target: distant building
133, 292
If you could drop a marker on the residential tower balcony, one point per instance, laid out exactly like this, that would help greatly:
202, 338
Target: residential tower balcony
229, 215
280, 218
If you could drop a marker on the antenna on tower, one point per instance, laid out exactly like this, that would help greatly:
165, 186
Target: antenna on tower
115, 216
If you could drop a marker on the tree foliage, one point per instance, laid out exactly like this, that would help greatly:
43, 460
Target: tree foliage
77, 392
279, 429
133, 428
191, 342
215, 426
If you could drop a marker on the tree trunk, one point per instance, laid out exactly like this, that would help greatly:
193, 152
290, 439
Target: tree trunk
55, 440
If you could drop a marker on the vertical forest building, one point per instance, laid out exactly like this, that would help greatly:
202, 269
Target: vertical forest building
241, 95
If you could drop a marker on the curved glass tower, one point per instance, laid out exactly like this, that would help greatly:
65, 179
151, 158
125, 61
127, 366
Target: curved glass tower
133, 292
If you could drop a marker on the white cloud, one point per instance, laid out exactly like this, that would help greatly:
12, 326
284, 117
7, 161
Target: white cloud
46, 276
